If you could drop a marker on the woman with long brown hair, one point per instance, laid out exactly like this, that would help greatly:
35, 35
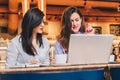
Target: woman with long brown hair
72, 23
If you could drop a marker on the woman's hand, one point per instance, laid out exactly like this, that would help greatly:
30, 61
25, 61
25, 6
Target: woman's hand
34, 62
52, 60
89, 29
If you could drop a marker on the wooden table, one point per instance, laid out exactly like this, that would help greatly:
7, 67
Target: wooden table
55, 72
55, 68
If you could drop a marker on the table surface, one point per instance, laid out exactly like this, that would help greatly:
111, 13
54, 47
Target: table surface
54, 67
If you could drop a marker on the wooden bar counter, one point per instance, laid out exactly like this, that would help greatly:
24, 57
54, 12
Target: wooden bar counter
58, 72
52, 68
55, 72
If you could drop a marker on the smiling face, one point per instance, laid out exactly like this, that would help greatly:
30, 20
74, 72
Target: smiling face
76, 22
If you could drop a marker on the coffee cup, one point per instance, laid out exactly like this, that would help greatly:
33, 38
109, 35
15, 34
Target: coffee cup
60, 58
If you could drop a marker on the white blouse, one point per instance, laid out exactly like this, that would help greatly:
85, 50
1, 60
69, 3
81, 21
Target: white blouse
17, 56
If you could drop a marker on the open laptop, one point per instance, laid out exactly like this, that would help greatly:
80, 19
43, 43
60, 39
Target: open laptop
90, 48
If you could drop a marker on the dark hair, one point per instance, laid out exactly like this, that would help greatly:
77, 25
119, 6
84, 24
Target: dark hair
32, 18
66, 24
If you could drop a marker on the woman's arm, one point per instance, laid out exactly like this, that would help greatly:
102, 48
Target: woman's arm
58, 48
47, 50
12, 54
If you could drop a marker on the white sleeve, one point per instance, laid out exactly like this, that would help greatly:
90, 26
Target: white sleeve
58, 48
47, 50
12, 53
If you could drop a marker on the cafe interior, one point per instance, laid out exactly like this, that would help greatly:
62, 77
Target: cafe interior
103, 15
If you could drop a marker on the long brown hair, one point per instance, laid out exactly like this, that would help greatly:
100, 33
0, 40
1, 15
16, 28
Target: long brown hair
66, 26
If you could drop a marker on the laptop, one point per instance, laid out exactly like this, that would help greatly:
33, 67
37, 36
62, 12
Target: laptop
90, 48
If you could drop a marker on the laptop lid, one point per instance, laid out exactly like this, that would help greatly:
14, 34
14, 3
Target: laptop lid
89, 48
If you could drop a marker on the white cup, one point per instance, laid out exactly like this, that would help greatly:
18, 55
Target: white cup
60, 58
112, 57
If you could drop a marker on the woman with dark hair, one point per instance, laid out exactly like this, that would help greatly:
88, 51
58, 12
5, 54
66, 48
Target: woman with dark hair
30, 46
72, 23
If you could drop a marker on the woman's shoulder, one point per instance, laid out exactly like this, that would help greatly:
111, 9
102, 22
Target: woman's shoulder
16, 39
57, 43
45, 40
14, 42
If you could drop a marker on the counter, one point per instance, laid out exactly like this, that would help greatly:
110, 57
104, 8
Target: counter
55, 72
54, 68
68, 72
